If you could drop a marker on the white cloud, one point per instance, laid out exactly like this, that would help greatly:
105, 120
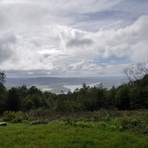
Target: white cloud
56, 37
7, 42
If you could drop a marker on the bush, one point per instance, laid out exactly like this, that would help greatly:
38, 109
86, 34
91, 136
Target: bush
101, 116
70, 121
8, 116
134, 123
15, 117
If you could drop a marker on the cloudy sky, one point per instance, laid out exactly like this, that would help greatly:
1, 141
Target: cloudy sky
72, 37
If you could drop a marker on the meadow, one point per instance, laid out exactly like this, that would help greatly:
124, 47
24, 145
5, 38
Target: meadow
102, 129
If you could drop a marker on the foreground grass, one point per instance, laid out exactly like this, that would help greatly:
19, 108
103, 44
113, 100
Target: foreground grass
59, 135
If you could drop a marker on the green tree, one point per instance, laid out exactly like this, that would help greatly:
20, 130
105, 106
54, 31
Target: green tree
2, 77
3, 94
28, 103
136, 98
122, 97
13, 100
110, 95
33, 90
61, 103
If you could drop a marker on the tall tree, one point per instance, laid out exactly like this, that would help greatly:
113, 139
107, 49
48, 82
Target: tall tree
14, 100
2, 98
2, 92
2, 77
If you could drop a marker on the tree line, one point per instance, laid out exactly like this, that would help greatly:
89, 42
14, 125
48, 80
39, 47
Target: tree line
128, 96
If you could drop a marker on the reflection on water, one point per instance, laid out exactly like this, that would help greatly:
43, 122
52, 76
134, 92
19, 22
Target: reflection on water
58, 85
73, 87
46, 89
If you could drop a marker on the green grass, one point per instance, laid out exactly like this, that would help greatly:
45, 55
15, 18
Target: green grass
57, 134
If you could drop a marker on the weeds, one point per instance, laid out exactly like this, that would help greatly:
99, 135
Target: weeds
103, 128
123, 121
16, 117
57, 134
119, 120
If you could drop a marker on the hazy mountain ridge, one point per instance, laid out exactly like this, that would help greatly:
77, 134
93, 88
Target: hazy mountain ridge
57, 83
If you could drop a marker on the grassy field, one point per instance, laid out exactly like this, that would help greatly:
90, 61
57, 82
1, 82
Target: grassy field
59, 134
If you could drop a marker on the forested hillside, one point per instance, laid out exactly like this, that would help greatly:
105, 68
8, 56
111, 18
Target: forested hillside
128, 96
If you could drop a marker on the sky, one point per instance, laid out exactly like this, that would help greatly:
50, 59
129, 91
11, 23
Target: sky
72, 38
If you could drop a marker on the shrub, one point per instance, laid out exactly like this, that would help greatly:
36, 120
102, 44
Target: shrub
15, 117
8, 116
70, 121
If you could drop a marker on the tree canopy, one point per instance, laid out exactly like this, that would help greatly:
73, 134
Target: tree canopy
124, 97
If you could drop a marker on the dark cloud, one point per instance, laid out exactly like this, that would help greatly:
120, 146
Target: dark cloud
6, 42
79, 42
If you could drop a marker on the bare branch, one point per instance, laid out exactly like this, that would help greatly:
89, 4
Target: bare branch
136, 72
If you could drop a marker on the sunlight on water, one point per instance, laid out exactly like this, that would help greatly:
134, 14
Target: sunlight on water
73, 87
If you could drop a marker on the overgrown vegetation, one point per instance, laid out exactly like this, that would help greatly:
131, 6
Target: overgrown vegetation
87, 117
114, 120
73, 132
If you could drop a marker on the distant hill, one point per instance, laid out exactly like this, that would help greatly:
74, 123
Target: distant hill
56, 84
